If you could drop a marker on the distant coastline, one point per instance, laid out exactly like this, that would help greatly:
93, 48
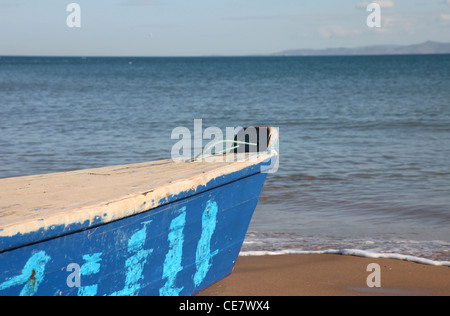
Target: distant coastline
428, 47
425, 48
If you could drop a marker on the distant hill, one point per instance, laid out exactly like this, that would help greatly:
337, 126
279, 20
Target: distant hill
423, 48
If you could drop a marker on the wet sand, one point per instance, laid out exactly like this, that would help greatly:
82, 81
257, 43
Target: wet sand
329, 275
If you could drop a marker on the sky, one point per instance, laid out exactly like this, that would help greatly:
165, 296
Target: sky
213, 27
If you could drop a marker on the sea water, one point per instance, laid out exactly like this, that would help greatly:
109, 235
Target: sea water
364, 140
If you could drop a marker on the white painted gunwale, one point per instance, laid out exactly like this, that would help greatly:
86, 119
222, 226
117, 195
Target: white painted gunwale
31, 203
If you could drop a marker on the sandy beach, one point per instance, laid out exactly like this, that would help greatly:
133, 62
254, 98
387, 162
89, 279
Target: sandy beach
329, 275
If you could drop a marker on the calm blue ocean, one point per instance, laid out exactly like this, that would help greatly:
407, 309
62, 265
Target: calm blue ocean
364, 140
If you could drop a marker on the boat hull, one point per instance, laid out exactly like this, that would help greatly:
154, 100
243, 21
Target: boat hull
178, 248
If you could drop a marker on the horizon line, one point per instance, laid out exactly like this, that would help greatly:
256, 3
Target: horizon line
276, 54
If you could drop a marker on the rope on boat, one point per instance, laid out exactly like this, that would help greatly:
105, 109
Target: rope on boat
220, 152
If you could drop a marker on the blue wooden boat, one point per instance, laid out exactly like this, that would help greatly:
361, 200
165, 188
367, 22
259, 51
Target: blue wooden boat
156, 228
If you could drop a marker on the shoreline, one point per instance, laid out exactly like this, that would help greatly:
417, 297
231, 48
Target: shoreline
350, 252
330, 275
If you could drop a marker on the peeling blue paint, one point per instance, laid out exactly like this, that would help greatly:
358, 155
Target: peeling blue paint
32, 275
92, 266
172, 262
90, 290
203, 254
135, 264
9, 206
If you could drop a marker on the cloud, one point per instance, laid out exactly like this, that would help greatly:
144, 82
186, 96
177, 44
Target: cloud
398, 23
445, 19
384, 4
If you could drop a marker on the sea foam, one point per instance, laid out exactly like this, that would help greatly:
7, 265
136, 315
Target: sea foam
351, 252
434, 252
